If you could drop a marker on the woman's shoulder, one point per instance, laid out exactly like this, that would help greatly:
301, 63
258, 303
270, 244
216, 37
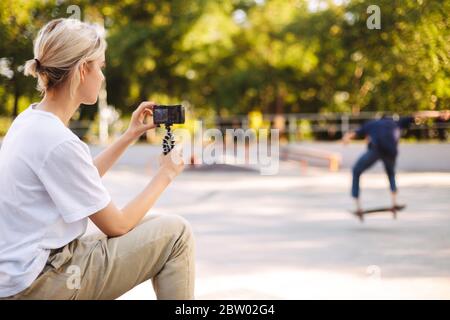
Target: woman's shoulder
48, 128
39, 134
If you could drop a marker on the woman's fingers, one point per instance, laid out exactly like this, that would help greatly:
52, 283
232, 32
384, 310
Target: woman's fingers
177, 155
172, 162
149, 126
142, 118
178, 149
148, 114
144, 113
143, 110
144, 105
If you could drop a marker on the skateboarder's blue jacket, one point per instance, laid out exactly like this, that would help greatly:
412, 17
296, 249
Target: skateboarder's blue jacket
384, 133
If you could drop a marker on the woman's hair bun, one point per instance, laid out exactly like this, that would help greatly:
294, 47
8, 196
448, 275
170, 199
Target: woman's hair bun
31, 68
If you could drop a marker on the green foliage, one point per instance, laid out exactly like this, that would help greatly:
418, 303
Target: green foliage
235, 56
5, 122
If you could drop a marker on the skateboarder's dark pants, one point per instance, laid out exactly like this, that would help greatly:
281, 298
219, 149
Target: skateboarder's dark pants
366, 161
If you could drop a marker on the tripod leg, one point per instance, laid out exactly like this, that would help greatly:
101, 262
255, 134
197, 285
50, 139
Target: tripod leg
168, 141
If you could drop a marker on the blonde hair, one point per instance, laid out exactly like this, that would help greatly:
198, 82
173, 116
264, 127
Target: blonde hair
60, 48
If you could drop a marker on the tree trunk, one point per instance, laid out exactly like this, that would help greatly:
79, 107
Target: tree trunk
279, 100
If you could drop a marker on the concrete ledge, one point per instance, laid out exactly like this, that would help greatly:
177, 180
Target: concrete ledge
413, 157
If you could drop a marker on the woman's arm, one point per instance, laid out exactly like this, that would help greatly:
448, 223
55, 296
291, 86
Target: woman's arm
115, 222
106, 159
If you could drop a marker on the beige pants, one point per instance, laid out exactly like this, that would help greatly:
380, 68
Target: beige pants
160, 248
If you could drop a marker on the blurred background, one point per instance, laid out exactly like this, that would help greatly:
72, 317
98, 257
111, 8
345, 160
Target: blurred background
248, 63
310, 68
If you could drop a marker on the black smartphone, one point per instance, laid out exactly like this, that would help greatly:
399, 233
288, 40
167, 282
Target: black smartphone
168, 114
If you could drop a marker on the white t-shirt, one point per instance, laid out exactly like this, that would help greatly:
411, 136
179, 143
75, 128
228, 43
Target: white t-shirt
48, 187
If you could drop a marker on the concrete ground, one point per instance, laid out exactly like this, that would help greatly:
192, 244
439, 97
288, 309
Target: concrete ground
290, 236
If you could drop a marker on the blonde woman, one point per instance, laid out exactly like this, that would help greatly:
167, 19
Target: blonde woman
50, 186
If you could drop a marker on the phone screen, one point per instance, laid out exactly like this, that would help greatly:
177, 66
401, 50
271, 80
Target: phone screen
160, 115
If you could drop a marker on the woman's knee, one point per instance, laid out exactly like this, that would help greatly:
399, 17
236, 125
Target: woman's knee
177, 226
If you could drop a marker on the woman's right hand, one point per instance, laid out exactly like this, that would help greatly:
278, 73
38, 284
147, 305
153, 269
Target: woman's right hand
172, 163
138, 126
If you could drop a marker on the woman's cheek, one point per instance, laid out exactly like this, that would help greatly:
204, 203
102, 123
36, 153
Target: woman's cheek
102, 77
100, 80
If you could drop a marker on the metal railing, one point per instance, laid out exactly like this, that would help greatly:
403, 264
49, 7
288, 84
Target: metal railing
311, 126
333, 126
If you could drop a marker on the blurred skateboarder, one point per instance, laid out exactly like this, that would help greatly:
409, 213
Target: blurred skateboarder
383, 135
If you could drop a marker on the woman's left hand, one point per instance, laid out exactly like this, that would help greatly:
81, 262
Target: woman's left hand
137, 126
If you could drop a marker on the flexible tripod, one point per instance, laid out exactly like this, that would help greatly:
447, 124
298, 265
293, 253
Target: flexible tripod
169, 140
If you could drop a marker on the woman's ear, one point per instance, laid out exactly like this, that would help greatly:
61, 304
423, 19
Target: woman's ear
83, 71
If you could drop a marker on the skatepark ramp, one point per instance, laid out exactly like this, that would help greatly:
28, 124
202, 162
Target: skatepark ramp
311, 156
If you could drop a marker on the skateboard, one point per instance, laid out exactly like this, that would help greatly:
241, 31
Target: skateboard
394, 210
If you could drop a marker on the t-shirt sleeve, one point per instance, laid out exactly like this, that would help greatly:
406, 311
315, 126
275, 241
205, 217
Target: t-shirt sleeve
73, 182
